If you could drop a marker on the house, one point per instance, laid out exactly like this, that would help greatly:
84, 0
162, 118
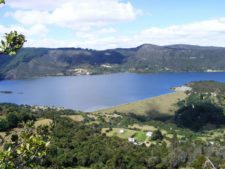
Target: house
121, 131
131, 140
211, 142
214, 94
183, 89
149, 134
106, 66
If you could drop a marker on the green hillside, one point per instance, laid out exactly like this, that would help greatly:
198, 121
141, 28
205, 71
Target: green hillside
36, 62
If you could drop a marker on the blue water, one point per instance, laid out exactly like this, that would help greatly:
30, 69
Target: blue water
89, 93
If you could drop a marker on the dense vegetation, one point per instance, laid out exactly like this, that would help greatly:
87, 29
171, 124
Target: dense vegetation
12, 118
208, 87
145, 58
75, 144
199, 115
187, 139
204, 106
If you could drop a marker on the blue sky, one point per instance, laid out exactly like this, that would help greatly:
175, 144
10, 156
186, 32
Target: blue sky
102, 24
167, 12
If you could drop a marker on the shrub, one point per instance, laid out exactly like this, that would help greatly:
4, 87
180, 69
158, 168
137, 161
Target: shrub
157, 135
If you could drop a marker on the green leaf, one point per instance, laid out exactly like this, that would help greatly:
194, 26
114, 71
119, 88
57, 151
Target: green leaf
2, 1
13, 42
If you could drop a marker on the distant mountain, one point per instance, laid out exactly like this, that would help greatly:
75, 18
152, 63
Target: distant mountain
37, 62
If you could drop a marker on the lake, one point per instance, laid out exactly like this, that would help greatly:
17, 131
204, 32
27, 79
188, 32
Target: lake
89, 93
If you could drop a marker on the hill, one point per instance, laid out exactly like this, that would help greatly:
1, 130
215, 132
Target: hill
156, 107
37, 62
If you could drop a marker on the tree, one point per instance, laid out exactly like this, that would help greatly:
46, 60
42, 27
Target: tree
157, 135
197, 116
3, 125
12, 120
13, 41
26, 151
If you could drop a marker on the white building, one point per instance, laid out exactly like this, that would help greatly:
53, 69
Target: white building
183, 89
131, 140
149, 134
211, 142
121, 131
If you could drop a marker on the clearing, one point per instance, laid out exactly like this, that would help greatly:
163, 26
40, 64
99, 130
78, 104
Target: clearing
161, 105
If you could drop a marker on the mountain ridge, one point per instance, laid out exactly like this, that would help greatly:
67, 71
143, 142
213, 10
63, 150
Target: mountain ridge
37, 62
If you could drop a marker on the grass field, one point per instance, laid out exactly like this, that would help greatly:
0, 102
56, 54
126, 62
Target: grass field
77, 118
143, 127
161, 105
116, 132
140, 136
139, 133
42, 122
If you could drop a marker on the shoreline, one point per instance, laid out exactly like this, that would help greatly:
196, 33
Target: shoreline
109, 73
124, 104
174, 90
101, 109
161, 105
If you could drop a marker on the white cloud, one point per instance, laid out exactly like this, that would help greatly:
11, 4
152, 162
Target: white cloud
38, 29
208, 33
90, 34
35, 4
30, 17
92, 23
30, 32
48, 42
73, 13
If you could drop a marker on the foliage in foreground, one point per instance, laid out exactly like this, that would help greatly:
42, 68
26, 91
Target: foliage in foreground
2, 1
13, 41
25, 151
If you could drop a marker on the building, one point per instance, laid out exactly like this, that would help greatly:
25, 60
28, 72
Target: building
149, 134
131, 140
121, 131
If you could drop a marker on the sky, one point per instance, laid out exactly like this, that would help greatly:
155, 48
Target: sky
104, 24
